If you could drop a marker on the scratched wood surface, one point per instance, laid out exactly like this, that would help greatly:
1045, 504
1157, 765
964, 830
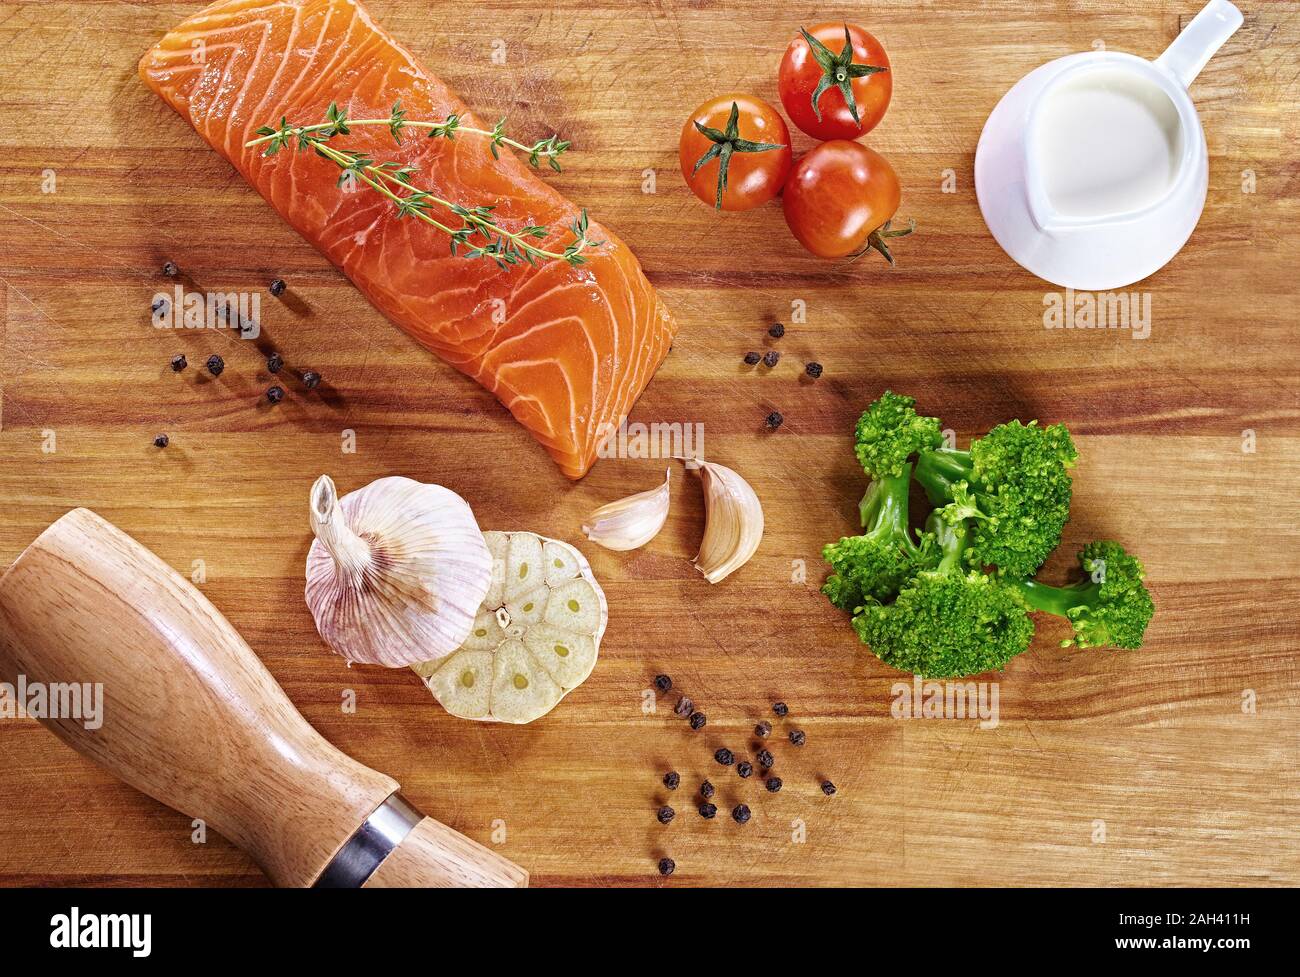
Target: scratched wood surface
1105, 768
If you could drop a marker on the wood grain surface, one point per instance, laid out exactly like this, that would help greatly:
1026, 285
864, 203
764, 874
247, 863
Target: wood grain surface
1106, 767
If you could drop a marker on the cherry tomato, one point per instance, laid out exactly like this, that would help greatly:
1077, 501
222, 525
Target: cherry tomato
835, 81
840, 198
735, 152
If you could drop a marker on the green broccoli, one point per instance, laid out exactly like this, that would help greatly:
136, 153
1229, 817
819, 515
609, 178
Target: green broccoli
1014, 486
949, 621
876, 564
1110, 606
889, 432
926, 604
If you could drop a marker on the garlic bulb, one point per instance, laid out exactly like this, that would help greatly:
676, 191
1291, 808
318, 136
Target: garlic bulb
733, 521
630, 522
397, 570
535, 639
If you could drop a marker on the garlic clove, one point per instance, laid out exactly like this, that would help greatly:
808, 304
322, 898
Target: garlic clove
486, 633
523, 565
733, 522
521, 689
462, 682
567, 656
628, 523
549, 635
561, 562
528, 609
497, 544
397, 572
574, 606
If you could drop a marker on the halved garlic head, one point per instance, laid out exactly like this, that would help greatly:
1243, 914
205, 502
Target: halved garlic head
397, 571
534, 640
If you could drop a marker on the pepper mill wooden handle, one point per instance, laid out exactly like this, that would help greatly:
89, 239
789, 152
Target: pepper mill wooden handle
192, 718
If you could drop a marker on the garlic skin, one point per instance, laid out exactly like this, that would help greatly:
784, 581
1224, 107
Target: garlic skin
733, 521
397, 571
630, 522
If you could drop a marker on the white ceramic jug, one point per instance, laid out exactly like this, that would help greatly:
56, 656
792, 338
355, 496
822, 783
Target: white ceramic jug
1092, 170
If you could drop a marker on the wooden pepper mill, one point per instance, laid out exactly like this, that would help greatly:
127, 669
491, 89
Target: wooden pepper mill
192, 718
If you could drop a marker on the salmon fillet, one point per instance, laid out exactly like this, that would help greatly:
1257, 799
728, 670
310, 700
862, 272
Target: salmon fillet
566, 350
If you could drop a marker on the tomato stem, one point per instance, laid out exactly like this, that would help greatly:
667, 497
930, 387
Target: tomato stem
876, 240
724, 145
838, 71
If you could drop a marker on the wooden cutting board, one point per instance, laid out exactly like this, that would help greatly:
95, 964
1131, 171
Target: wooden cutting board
1176, 764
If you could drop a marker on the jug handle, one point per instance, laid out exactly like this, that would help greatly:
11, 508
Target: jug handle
1191, 49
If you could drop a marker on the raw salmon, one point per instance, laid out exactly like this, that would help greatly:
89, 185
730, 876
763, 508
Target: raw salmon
566, 350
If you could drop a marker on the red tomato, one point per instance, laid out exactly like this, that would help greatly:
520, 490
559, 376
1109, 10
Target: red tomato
735, 152
846, 71
840, 198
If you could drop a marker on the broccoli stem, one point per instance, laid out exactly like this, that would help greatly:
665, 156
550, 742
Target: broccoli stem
939, 469
883, 509
953, 539
1056, 600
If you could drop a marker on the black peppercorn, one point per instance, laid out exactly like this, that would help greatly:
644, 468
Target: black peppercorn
777, 330
770, 358
765, 759
741, 813
215, 365
179, 362
706, 790
773, 784
311, 379
161, 441
828, 788
752, 358
663, 683
780, 708
667, 866
774, 420
814, 370
763, 729
274, 363
744, 768
671, 779
665, 814
170, 269
275, 394
158, 306
724, 756
684, 706
698, 719
708, 811
797, 737
276, 287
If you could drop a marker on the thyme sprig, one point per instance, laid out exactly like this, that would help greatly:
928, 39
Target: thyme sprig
478, 235
338, 124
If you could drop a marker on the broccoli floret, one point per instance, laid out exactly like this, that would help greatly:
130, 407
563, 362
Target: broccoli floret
1013, 485
949, 621
890, 431
875, 565
1109, 607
